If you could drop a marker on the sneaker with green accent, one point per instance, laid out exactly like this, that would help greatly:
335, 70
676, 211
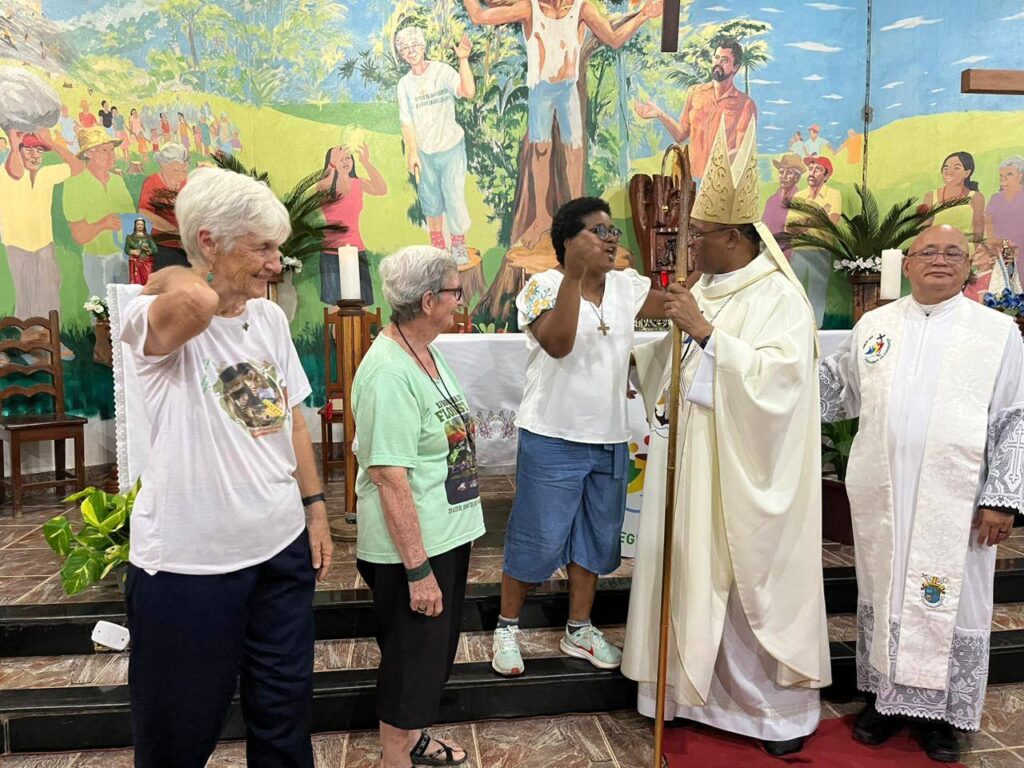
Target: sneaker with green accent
505, 656
588, 643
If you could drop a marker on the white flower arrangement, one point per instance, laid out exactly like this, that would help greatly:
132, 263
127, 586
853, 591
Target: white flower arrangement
291, 264
97, 307
858, 266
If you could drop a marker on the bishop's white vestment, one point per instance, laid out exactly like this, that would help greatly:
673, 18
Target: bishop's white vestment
940, 395
748, 642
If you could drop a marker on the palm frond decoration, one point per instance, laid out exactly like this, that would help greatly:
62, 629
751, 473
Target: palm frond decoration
303, 203
866, 234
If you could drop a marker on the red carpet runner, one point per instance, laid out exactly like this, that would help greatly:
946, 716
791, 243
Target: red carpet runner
831, 746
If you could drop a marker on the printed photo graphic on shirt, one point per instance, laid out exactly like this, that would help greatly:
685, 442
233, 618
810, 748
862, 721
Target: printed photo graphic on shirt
462, 483
252, 394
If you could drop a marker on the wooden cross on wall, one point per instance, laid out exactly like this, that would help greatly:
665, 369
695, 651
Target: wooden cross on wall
1009, 82
670, 26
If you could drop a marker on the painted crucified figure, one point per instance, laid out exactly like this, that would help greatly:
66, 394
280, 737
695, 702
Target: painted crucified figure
554, 31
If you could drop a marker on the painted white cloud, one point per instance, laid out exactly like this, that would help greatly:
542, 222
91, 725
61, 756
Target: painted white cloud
834, 122
810, 45
933, 103
972, 59
937, 90
893, 84
766, 112
778, 101
911, 23
828, 7
897, 104
770, 128
719, 8
759, 81
1015, 17
814, 78
833, 96
771, 10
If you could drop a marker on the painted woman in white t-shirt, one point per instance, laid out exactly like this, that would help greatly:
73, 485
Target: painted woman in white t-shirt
223, 558
571, 469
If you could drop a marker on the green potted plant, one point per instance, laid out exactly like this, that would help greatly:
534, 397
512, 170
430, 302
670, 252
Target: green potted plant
836, 442
855, 243
99, 545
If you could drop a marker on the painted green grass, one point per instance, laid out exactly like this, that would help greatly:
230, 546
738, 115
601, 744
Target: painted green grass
374, 116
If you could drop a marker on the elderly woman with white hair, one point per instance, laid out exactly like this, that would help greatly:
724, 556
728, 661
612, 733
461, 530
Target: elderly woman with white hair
156, 200
1005, 211
418, 501
229, 531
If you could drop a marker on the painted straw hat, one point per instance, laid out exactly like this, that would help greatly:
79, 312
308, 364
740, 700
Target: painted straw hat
96, 136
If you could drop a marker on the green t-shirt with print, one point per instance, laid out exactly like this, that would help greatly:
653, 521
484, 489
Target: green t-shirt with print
404, 419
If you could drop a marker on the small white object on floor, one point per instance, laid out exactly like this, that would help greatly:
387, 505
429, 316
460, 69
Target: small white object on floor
110, 635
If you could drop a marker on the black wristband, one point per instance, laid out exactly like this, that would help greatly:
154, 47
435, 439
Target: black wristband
308, 501
418, 573
704, 342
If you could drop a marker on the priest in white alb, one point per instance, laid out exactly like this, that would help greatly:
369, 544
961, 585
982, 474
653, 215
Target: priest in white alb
934, 479
748, 644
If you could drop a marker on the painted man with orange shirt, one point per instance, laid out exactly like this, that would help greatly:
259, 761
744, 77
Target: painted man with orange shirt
706, 105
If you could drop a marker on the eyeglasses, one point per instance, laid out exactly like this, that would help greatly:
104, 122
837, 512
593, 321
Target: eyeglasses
928, 255
605, 232
456, 292
694, 235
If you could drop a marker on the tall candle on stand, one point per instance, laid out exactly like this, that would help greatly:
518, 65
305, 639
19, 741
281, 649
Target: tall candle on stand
892, 274
348, 273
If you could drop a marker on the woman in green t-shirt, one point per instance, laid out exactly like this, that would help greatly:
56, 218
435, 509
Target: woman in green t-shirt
418, 501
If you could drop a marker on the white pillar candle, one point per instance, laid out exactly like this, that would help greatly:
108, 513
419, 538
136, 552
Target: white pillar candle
348, 272
892, 274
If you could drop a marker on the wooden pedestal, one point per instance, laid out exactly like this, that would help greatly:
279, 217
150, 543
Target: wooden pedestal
865, 293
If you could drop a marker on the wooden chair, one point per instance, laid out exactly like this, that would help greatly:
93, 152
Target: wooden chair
332, 456
18, 424
461, 322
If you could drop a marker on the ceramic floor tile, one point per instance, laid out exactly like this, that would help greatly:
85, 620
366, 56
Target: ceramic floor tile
52, 591
978, 741
1001, 758
842, 627
1003, 714
12, 533
1008, 616
13, 589
51, 671
62, 760
229, 754
565, 742
341, 575
115, 673
29, 562
365, 654
630, 736
844, 708
330, 655
485, 569
115, 758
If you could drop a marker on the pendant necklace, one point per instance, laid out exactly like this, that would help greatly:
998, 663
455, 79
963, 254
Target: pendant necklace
446, 395
600, 316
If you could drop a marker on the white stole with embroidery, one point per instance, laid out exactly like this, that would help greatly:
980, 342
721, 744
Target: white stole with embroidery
947, 489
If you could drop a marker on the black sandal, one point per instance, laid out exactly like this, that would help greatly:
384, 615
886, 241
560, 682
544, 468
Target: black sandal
420, 757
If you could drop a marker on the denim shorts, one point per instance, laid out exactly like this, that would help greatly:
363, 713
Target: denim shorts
569, 507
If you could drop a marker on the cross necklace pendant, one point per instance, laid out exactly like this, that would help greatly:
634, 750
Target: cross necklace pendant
600, 316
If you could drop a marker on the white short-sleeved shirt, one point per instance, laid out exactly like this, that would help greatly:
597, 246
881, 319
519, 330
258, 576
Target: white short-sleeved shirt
582, 396
427, 103
218, 493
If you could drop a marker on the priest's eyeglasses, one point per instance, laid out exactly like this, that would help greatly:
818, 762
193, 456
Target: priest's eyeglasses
606, 233
693, 235
951, 255
456, 292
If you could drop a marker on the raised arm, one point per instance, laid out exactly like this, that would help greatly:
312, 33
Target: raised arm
498, 14
375, 184
184, 306
616, 35
467, 85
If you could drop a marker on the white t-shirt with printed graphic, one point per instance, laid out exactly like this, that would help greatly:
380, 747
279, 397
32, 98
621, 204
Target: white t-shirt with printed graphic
427, 103
218, 493
582, 396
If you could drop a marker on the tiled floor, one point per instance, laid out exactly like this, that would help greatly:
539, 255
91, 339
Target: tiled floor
606, 740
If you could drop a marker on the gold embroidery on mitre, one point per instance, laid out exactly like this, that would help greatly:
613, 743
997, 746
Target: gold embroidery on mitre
729, 192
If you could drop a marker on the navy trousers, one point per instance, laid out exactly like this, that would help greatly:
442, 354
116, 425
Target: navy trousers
195, 638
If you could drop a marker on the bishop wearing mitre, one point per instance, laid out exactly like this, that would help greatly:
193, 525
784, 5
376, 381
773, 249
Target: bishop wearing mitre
748, 644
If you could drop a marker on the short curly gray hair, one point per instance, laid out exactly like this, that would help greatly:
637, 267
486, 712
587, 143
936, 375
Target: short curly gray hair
228, 205
1014, 161
408, 274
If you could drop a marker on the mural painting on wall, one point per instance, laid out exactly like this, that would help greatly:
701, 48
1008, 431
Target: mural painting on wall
466, 123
